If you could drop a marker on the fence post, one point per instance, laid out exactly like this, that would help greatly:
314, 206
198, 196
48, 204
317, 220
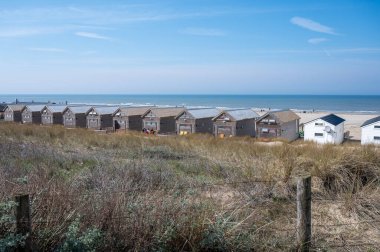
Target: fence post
304, 213
24, 221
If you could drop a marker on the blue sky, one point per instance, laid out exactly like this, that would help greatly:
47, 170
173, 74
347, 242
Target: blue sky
194, 47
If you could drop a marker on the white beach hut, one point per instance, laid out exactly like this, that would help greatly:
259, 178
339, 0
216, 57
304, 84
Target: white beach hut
326, 129
371, 131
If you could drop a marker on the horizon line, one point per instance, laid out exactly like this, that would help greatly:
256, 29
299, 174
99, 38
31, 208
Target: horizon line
185, 94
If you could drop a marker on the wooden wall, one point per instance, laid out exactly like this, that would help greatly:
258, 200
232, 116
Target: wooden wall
31, 117
12, 116
78, 120
135, 123
246, 127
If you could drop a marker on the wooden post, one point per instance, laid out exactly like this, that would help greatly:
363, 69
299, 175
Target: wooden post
304, 213
24, 221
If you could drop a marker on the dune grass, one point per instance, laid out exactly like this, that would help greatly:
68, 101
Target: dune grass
136, 192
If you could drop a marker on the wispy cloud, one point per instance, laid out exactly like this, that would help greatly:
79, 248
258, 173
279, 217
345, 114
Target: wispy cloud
47, 49
312, 25
89, 52
202, 32
357, 50
120, 14
316, 41
92, 35
21, 32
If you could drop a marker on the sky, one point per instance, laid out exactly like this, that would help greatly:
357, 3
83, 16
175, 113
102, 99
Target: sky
190, 47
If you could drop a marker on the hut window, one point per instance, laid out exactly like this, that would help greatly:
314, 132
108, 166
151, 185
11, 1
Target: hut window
318, 134
376, 138
272, 121
265, 130
318, 124
377, 126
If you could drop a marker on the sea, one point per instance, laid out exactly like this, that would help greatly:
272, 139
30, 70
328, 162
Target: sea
366, 104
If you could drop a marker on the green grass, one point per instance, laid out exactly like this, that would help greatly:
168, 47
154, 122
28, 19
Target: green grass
149, 193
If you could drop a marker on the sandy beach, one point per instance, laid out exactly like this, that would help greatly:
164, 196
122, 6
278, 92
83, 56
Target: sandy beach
352, 124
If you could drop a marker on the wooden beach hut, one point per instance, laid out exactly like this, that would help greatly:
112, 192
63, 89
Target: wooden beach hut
278, 124
32, 113
52, 114
75, 116
3, 106
12, 113
235, 122
324, 130
197, 120
371, 131
161, 119
129, 118
101, 118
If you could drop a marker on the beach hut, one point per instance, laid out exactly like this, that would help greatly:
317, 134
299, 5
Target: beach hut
371, 131
197, 120
235, 122
32, 113
129, 118
3, 106
12, 112
75, 117
278, 124
52, 114
326, 129
101, 118
161, 119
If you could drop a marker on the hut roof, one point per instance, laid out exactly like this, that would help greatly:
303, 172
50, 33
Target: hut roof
134, 111
199, 113
16, 107
56, 108
238, 114
78, 109
165, 111
3, 106
106, 110
370, 121
34, 108
331, 118
283, 116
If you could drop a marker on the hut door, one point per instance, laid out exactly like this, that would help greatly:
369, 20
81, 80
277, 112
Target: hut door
117, 125
185, 129
150, 125
224, 131
93, 123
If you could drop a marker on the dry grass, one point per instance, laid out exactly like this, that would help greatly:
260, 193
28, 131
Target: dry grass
150, 193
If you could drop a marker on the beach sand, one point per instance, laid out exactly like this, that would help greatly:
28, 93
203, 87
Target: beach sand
352, 123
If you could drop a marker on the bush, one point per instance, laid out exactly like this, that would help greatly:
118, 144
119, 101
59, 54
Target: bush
89, 240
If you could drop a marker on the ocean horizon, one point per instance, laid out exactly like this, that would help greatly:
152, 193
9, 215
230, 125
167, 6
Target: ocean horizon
332, 103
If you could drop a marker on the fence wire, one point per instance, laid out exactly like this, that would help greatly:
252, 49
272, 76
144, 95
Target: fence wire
250, 205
